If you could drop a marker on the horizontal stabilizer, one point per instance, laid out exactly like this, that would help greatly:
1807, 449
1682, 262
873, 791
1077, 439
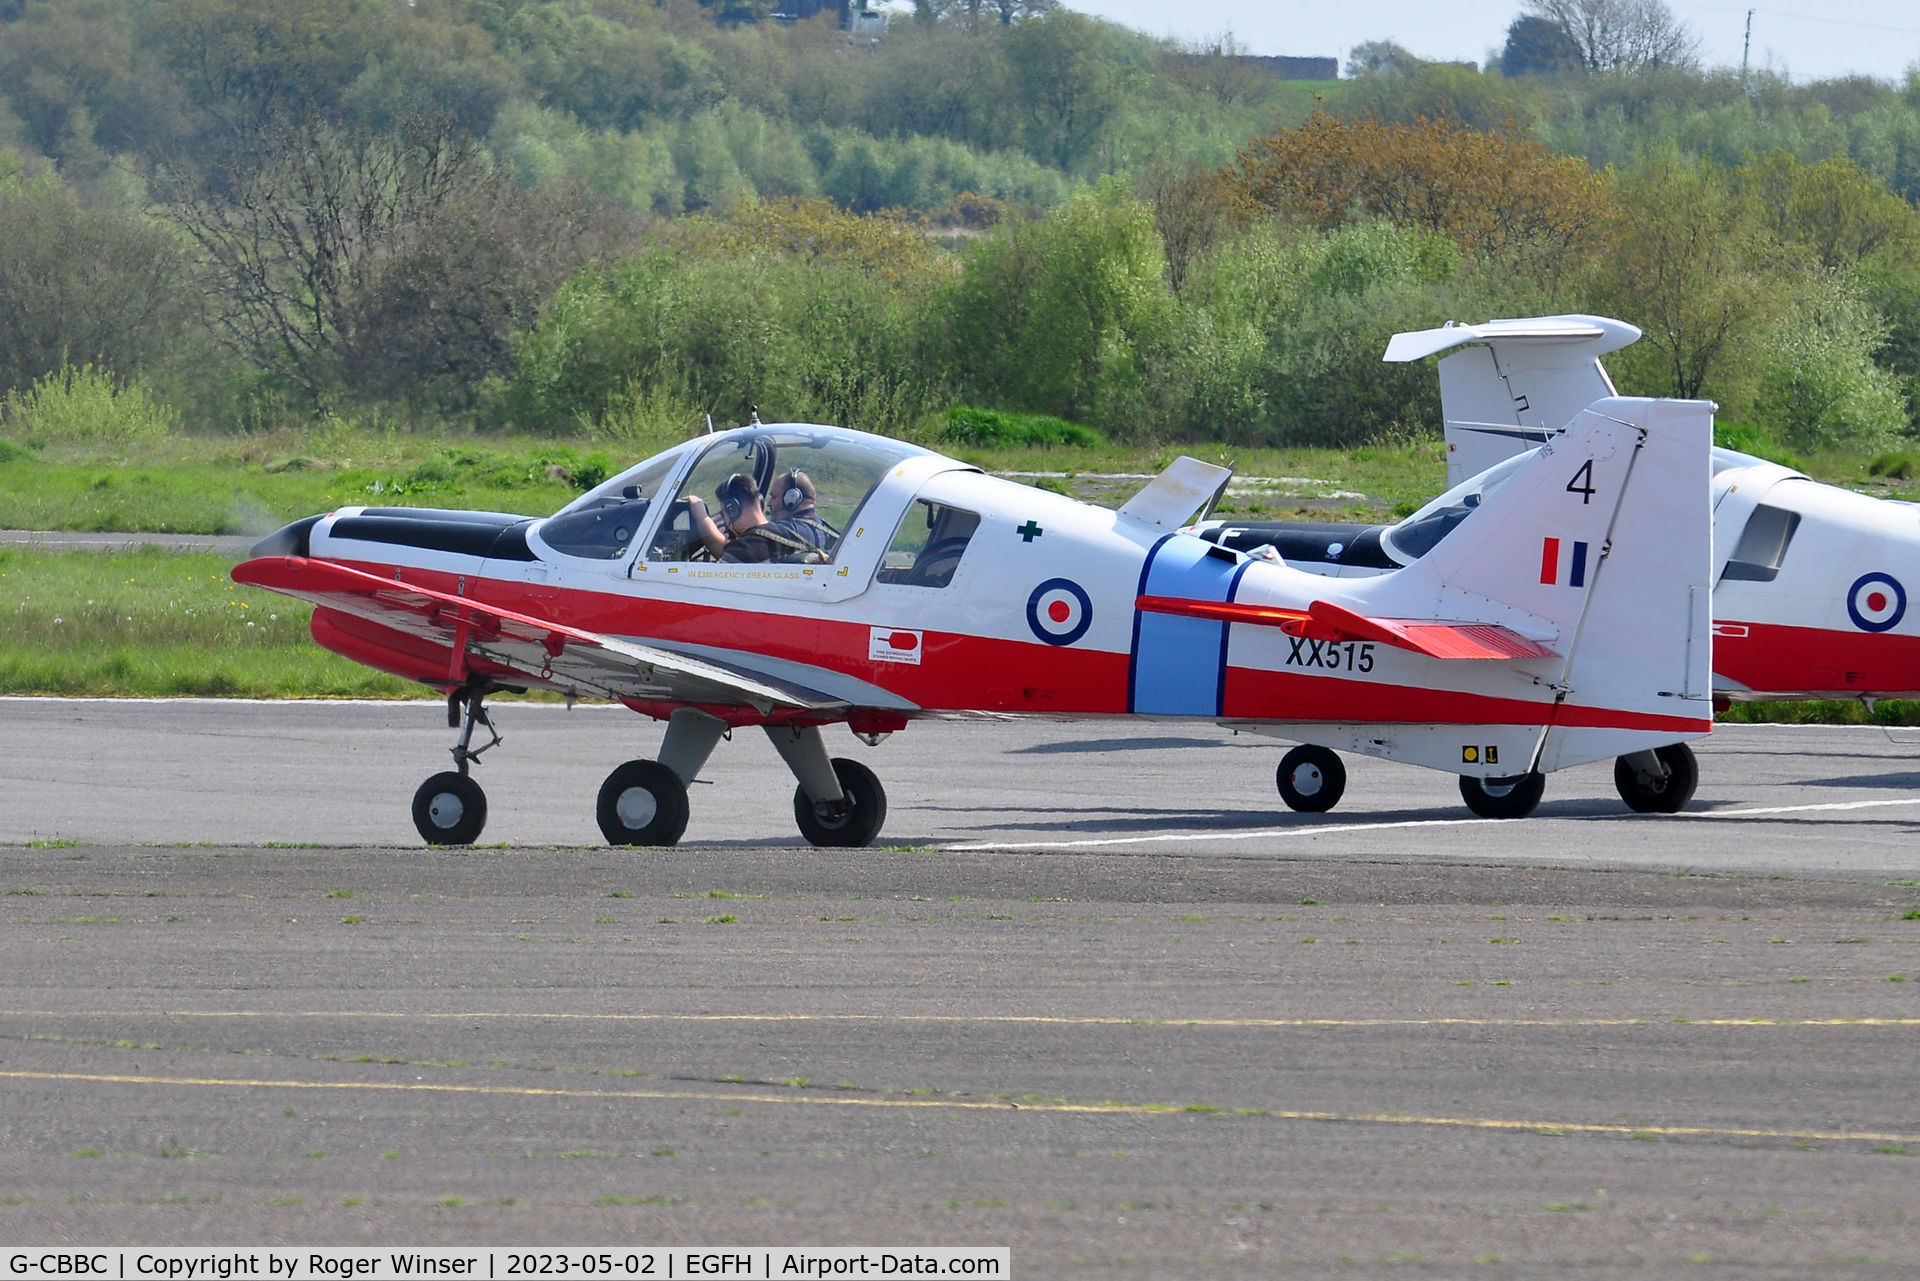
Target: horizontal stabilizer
1185, 491
1597, 335
1325, 621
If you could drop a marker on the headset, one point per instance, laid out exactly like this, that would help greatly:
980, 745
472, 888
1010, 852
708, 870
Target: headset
734, 494
793, 498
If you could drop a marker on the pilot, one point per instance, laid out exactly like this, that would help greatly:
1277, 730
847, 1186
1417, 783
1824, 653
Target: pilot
754, 539
793, 513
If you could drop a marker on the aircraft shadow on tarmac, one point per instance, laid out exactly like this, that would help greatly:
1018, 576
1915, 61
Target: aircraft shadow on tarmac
1899, 781
1117, 745
1141, 819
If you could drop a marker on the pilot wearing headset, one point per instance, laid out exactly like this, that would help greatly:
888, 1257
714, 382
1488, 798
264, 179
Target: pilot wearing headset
754, 539
793, 512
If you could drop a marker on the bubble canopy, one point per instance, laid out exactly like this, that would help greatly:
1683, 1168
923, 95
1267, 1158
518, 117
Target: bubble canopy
647, 499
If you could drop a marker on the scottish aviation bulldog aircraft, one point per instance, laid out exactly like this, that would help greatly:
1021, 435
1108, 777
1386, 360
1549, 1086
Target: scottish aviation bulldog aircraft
933, 590
1809, 596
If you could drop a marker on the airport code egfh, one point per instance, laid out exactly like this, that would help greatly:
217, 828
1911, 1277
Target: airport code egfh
496, 1263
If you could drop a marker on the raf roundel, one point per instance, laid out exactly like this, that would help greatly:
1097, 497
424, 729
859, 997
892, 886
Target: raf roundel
1876, 602
1059, 612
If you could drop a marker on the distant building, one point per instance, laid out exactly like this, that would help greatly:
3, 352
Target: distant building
861, 21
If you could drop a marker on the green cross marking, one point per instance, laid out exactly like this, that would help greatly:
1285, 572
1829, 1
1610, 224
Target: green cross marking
1028, 532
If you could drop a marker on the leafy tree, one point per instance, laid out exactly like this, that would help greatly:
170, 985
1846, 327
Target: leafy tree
1693, 264
1381, 58
1065, 87
1819, 386
945, 82
610, 74
1192, 210
1621, 35
1833, 207
242, 63
1496, 194
793, 304
1069, 316
93, 286
312, 220
1538, 46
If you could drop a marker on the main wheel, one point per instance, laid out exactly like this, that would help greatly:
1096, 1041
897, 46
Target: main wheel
1311, 779
642, 803
852, 823
450, 809
1648, 793
1503, 797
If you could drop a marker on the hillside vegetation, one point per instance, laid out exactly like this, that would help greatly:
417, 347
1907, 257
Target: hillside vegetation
604, 220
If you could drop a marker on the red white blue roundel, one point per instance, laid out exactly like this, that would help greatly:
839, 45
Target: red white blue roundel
1876, 602
1059, 611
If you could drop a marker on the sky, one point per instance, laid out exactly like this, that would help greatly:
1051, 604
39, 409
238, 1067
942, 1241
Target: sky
1809, 40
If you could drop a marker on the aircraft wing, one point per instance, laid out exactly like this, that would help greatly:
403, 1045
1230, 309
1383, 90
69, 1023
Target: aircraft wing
546, 653
1325, 621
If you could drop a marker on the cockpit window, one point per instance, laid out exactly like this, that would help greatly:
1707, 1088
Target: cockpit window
1763, 545
600, 525
812, 482
927, 547
1421, 532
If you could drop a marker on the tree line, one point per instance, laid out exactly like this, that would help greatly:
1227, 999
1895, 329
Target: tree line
619, 217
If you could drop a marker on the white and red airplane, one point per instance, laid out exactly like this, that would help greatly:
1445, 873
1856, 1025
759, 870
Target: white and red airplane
1809, 595
939, 591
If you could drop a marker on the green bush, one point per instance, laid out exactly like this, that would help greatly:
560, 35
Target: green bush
1750, 440
85, 405
1819, 386
990, 428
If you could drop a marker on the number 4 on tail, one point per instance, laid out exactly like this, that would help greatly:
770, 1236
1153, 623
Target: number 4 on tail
1582, 483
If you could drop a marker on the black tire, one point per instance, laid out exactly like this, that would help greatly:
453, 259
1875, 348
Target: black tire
642, 803
1311, 779
858, 822
1645, 794
1503, 797
450, 809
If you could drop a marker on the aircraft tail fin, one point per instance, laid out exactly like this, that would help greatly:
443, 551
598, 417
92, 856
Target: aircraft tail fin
1600, 549
1513, 383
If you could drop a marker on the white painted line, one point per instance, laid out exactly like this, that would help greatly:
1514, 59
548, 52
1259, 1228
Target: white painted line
1343, 828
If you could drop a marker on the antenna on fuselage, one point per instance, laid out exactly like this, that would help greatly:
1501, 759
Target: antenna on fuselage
753, 416
709, 424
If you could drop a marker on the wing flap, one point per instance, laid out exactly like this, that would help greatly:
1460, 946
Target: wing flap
549, 653
1325, 621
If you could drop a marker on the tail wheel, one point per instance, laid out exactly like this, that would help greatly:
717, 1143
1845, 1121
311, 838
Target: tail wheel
450, 809
642, 803
1311, 779
850, 823
1645, 792
1503, 797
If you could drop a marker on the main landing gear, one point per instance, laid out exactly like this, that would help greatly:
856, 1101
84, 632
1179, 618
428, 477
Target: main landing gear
838, 802
1657, 782
1312, 779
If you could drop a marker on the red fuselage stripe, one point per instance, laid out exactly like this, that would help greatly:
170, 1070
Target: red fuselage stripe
1773, 658
958, 672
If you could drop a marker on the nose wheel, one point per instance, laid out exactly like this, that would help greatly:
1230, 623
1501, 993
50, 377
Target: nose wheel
450, 809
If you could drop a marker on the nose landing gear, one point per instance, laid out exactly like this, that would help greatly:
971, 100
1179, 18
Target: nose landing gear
450, 808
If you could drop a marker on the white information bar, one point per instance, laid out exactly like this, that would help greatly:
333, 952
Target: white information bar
501, 1263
